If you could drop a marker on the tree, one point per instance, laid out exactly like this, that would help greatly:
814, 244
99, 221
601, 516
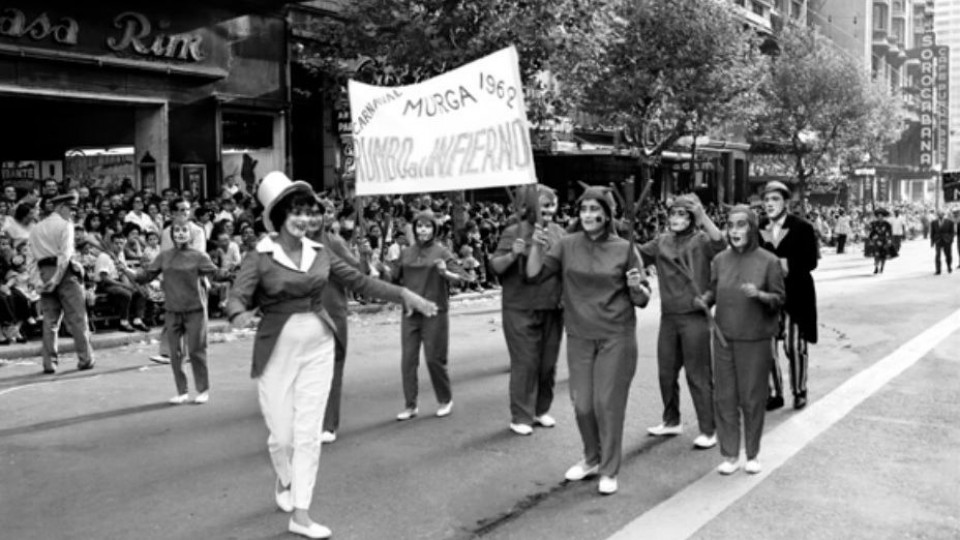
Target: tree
819, 106
395, 42
683, 66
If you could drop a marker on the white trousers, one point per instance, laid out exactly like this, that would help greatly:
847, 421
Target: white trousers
293, 396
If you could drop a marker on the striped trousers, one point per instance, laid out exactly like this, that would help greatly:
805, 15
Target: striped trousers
795, 349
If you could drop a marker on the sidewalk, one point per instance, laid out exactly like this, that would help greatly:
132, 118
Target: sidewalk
107, 339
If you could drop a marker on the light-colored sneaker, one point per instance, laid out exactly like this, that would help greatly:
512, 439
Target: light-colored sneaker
664, 430
407, 414
728, 467
608, 485
521, 429
445, 409
328, 437
581, 470
545, 420
705, 441
314, 530
202, 398
753, 466
160, 359
283, 496
179, 400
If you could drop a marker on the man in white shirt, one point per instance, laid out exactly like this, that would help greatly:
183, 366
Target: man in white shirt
899, 226
50, 253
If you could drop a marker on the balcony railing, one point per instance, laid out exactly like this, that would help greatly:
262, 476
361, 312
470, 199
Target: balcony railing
880, 42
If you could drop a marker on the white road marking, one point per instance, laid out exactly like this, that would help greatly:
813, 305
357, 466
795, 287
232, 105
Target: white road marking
682, 515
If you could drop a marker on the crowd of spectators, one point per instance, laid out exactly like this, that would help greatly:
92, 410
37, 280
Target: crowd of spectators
126, 224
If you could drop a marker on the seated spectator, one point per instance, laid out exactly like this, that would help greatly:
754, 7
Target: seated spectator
126, 298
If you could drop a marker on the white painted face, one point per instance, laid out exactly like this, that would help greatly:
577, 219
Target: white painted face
297, 223
679, 219
592, 216
774, 204
424, 231
738, 230
548, 207
180, 234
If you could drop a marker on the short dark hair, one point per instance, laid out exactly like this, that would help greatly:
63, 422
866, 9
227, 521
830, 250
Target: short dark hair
279, 213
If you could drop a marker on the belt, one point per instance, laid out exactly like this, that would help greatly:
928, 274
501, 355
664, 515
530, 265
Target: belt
299, 305
47, 261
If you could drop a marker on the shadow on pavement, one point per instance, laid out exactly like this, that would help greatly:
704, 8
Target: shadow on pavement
66, 422
38, 377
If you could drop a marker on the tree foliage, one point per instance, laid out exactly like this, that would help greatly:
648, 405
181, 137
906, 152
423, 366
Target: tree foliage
820, 107
686, 66
395, 42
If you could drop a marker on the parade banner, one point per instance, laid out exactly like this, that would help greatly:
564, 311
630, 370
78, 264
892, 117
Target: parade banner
465, 129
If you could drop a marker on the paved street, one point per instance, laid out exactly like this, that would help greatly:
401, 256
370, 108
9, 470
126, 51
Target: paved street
100, 455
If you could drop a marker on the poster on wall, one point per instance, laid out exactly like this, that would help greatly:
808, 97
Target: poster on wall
193, 178
465, 129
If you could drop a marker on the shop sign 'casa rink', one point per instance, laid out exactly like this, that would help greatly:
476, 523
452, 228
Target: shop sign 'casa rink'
134, 34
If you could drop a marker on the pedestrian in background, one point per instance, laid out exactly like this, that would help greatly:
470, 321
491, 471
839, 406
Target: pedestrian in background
942, 232
880, 240
293, 353
748, 289
602, 285
842, 231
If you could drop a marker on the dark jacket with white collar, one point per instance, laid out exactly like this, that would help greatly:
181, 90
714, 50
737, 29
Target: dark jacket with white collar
269, 280
798, 245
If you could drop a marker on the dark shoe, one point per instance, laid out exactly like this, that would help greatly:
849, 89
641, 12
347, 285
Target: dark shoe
50, 370
21, 339
800, 401
774, 403
5, 342
84, 367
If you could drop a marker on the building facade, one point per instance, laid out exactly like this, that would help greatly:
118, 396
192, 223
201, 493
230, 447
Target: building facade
946, 25
151, 94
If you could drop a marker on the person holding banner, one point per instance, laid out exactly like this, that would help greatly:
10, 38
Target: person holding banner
293, 353
602, 284
427, 268
682, 256
532, 315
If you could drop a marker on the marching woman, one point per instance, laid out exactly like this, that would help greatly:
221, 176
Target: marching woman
602, 284
293, 352
532, 318
426, 267
747, 286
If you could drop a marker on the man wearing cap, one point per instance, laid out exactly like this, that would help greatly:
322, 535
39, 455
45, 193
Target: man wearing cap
50, 249
794, 241
682, 256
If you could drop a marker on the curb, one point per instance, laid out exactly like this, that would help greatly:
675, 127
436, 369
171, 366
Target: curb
110, 340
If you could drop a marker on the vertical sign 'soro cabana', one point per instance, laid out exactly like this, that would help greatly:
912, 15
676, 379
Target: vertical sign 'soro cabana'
464, 129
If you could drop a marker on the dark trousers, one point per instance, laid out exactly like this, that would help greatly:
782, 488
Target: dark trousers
601, 371
533, 341
66, 301
331, 418
841, 243
684, 342
189, 327
129, 304
795, 347
741, 369
434, 334
945, 249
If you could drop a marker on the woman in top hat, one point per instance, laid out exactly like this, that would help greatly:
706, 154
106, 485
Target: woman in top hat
293, 356
601, 285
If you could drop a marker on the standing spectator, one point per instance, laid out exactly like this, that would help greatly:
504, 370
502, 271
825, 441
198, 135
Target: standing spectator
880, 240
842, 230
602, 284
793, 240
942, 232
51, 248
898, 227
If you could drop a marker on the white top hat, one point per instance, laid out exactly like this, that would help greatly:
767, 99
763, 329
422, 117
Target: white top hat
273, 188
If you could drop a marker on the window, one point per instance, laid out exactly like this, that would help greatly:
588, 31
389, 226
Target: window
758, 8
797, 10
879, 17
